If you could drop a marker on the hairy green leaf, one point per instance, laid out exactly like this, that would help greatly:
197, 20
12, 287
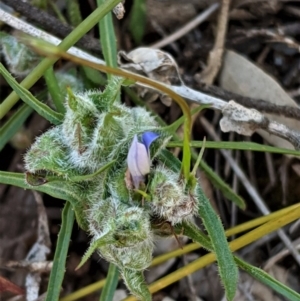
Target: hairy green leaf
29, 99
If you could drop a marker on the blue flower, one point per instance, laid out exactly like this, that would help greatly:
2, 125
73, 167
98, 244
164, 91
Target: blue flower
138, 158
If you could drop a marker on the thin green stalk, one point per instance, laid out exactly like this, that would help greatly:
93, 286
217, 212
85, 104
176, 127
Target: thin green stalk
54, 89
61, 252
109, 48
110, 284
9, 129
138, 19
69, 41
108, 39
73, 11
238, 145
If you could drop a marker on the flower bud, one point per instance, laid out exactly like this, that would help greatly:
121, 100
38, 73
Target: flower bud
138, 158
169, 200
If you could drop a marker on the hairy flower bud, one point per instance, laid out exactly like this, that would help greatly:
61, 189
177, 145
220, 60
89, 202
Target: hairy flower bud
137, 257
49, 153
169, 201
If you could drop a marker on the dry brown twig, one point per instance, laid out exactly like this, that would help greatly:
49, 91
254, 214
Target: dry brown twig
38, 251
187, 27
216, 54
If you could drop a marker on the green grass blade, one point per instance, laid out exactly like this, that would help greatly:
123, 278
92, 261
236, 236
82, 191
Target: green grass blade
137, 22
108, 38
73, 11
227, 267
221, 185
111, 283
250, 146
268, 280
29, 99
61, 252
69, 41
54, 90
109, 48
9, 129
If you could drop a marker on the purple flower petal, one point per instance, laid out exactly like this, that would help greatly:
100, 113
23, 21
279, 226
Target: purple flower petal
148, 138
138, 162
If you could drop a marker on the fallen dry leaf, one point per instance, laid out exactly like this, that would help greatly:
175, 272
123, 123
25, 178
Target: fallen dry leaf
7, 286
240, 76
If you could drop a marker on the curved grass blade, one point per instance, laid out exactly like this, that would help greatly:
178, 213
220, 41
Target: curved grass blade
250, 146
29, 99
61, 252
268, 280
9, 129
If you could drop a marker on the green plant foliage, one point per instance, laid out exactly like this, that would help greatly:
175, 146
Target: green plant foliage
59, 262
137, 21
73, 11
9, 129
111, 165
30, 100
104, 153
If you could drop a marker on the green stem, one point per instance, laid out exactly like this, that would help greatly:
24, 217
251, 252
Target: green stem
69, 41
54, 89
110, 284
59, 261
10, 128
108, 39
